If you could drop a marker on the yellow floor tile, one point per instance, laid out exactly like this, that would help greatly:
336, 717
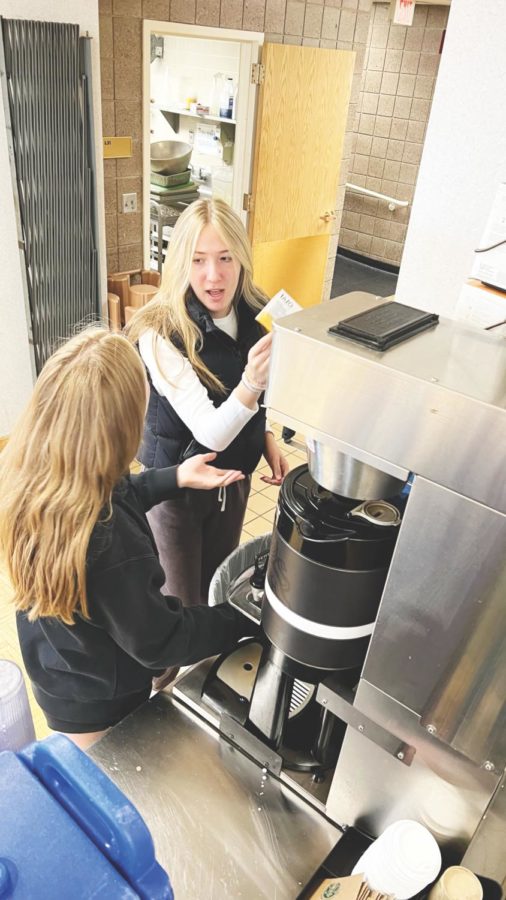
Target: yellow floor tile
271, 491
260, 504
259, 526
249, 515
256, 482
294, 463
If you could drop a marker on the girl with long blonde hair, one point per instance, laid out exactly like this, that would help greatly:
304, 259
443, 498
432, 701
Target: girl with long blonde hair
93, 626
207, 360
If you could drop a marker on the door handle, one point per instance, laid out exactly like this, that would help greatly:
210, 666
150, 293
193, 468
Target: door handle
328, 216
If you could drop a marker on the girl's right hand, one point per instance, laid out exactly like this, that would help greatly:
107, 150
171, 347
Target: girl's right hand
257, 367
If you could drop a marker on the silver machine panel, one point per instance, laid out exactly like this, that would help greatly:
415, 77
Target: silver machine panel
435, 672
222, 826
434, 405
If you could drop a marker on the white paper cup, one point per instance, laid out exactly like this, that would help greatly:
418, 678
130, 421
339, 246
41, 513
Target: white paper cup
457, 883
402, 861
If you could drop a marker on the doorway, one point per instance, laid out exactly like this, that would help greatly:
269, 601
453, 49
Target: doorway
198, 90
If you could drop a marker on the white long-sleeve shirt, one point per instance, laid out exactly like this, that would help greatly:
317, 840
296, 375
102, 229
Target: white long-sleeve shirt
175, 379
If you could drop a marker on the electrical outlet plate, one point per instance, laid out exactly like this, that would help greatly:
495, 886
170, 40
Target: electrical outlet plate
129, 203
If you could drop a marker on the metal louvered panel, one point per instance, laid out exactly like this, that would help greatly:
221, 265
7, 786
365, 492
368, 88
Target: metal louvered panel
47, 85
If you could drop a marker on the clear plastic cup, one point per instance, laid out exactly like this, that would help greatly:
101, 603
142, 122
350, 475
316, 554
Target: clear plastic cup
16, 723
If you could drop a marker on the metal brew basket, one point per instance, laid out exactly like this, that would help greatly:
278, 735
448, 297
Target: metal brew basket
342, 474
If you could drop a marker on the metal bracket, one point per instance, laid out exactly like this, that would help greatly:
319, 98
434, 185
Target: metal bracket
257, 73
247, 202
156, 47
247, 607
333, 696
251, 745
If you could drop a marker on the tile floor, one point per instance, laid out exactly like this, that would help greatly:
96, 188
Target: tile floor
258, 520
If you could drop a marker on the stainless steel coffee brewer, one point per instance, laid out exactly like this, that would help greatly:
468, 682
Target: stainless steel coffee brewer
423, 718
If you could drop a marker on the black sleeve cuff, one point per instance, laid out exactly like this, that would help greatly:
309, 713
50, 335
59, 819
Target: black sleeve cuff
155, 485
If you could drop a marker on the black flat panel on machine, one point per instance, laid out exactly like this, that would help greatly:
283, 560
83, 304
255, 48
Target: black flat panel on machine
385, 325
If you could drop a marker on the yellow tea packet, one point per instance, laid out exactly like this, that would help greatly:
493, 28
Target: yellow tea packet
280, 305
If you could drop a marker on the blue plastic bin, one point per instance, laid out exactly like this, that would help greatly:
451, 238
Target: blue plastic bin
66, 831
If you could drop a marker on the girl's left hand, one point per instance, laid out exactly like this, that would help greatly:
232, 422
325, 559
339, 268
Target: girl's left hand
196, 473
276, 460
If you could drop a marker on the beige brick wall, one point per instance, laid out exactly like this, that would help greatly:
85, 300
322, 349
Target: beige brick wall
399, 75
341, 24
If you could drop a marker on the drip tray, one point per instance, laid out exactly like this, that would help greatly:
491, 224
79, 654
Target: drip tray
239, 670
189, 687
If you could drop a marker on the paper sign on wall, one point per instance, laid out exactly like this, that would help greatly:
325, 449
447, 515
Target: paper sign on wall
402, 11
117, 147
490, 259
207, 140
481, 306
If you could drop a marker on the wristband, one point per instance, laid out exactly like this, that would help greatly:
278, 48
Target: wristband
260, 385
254, 388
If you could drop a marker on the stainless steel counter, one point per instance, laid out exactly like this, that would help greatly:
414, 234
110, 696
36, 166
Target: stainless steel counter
222, 826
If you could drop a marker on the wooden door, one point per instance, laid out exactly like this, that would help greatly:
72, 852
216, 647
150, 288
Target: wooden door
301, 121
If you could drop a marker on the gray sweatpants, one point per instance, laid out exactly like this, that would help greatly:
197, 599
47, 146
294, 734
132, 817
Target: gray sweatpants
194, 535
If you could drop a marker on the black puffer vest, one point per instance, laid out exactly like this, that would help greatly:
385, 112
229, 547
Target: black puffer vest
167, 441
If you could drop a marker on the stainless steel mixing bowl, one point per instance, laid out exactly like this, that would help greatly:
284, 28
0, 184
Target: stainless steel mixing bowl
170, 157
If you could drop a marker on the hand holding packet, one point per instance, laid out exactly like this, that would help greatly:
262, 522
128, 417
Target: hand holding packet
280, 305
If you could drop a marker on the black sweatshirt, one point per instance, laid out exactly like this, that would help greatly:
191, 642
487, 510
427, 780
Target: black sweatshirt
88, 675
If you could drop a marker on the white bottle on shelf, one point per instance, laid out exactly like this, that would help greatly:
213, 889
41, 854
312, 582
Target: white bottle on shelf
218, 82
227, 99
234, 103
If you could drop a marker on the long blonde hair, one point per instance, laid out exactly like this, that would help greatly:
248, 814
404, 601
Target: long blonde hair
167, 313
76, 438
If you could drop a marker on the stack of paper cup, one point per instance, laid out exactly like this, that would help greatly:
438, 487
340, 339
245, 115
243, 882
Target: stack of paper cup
402, 861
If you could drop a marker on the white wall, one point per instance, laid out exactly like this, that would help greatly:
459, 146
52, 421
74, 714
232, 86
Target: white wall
463, 161
16, 377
